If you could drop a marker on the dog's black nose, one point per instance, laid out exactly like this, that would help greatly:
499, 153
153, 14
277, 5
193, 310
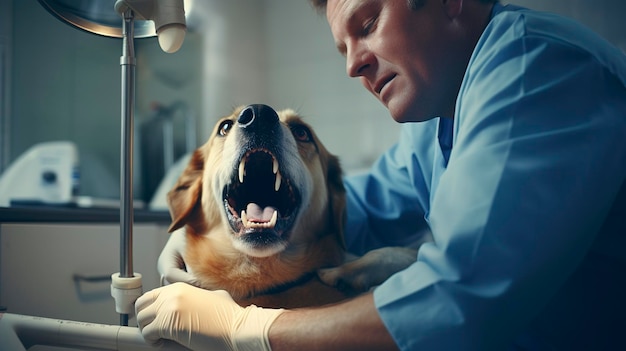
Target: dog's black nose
258, 117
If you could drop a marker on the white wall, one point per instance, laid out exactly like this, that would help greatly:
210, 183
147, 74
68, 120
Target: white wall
234, 57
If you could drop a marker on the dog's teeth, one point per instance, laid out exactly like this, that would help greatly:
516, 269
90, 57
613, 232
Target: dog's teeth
247, 224
244, 218
279, 179
242, 170
274, 165
272, 222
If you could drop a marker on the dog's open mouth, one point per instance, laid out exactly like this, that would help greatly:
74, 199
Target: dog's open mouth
260, 202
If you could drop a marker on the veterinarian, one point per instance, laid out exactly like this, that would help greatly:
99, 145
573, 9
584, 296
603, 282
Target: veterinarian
517, 165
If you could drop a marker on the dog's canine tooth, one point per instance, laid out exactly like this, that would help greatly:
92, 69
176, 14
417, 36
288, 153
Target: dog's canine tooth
244, 218
274, 165
279, 179
272, 222
242, 169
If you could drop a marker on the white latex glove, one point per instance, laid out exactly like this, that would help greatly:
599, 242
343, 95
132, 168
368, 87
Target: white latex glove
202, 319
171, 265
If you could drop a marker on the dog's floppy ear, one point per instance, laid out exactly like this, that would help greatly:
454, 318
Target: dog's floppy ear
335, 189
185, 196
336, 195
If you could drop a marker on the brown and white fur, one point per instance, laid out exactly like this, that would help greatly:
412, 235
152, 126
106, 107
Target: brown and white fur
263, 206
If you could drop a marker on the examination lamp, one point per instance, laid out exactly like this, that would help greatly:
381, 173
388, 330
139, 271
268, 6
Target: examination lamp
126, 19
168, 17
165, 18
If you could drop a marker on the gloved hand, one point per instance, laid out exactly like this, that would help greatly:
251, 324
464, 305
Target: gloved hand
171, 265
202, 319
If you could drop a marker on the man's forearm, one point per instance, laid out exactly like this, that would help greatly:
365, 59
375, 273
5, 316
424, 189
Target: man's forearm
351, 325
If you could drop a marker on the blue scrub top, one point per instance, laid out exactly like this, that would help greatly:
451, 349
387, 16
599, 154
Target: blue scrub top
523, 192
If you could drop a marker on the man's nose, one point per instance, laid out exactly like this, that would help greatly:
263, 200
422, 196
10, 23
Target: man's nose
358, 59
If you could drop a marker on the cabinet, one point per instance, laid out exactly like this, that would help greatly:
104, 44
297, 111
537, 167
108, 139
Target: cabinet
38, 263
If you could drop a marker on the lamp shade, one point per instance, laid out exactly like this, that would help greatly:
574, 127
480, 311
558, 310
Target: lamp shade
95, 16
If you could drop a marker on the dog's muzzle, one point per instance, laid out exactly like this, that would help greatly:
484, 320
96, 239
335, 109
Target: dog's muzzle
261, 203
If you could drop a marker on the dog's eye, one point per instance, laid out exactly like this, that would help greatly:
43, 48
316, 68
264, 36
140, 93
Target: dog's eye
225, 127
301, 133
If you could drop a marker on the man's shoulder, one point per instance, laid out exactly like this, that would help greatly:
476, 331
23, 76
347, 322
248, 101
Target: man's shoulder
517, 37
516, 27
511, 23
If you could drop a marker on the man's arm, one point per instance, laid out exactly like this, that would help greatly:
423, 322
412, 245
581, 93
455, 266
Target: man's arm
210, 320
386, 206
351, 325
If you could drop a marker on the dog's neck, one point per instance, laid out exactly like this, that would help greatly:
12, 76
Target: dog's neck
220, 266
277, 289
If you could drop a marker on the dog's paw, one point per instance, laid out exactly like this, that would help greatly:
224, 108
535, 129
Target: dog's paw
368, 271
345, 278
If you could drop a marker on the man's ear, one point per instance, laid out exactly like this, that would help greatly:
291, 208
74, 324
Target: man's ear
453, 8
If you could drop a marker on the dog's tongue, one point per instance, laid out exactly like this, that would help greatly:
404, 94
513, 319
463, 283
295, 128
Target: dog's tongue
256, 213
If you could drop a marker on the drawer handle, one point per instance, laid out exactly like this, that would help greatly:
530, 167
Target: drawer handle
91, 278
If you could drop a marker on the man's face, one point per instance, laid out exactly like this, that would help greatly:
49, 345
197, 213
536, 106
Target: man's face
406, 58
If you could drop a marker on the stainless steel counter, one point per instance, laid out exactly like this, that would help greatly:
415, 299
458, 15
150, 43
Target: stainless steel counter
41, 214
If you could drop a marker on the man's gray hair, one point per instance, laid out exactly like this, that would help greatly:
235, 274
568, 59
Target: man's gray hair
320, 5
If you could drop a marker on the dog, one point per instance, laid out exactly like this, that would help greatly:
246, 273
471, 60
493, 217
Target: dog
262, 204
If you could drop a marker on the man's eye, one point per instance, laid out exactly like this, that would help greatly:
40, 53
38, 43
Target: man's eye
368, 26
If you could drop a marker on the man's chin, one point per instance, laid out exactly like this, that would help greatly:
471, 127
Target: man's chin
406, 106
404, 114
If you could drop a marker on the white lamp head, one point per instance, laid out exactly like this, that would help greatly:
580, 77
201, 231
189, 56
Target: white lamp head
168, 16
171, 37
